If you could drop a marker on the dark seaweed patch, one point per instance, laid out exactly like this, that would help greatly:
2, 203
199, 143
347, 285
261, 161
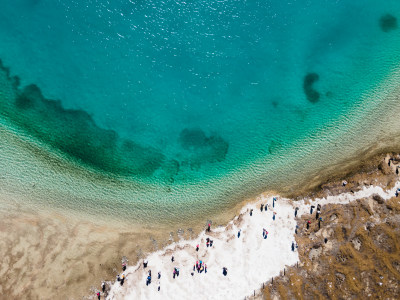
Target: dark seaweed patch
202, 148
388, 22
311, 94
74, 133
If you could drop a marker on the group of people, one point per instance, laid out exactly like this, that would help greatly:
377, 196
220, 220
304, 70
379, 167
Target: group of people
200, 266
148, 279
103, 288
121, 278
175, 272
265, 207
209, 243
397, 167
317, 216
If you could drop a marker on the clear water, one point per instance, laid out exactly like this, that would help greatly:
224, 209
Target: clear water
173, 106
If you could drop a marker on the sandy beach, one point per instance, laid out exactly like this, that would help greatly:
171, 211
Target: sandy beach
126, 127
48, 254
250, 259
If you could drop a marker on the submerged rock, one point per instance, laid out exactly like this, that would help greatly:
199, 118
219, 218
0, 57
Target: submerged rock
388, 23
200, 148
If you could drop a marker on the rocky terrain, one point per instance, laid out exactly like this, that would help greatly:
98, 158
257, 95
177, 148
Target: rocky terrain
356, 252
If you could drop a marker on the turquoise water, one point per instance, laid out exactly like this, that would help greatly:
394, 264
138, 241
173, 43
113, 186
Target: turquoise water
173, 101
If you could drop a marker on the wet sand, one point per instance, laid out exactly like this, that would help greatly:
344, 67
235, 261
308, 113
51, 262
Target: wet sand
250, 259
47, 254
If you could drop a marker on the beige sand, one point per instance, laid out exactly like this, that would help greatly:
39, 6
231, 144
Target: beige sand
251, 260
45, 256
48, 255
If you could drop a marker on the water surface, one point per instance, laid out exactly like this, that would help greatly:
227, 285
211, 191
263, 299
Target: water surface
159, 109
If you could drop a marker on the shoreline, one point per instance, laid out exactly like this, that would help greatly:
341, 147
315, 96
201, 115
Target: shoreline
101, 244
261, 258
65, 183
253, 252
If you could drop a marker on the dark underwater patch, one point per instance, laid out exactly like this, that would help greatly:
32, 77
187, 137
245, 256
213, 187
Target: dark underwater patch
74, 133
388, 23
311, 94
274, 146
201, 148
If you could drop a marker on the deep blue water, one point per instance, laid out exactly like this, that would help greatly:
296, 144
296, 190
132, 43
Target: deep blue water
190, 93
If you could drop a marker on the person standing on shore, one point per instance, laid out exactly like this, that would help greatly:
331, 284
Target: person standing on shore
273, 201
98, 295
239, 233
148, 281
209, 227
273, 216
311, 209
317, 214
308, 224
103, 286
251, 212
319, 222
262, 206
295, 211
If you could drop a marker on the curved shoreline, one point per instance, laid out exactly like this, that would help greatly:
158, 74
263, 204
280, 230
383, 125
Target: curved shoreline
250, 259
57, 194
101, 243
297, 170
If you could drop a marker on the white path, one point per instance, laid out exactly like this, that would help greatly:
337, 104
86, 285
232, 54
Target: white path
250, 259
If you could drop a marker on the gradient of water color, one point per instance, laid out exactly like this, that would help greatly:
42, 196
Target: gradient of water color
160, 108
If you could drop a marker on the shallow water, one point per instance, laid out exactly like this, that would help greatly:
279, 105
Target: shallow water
160, 110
